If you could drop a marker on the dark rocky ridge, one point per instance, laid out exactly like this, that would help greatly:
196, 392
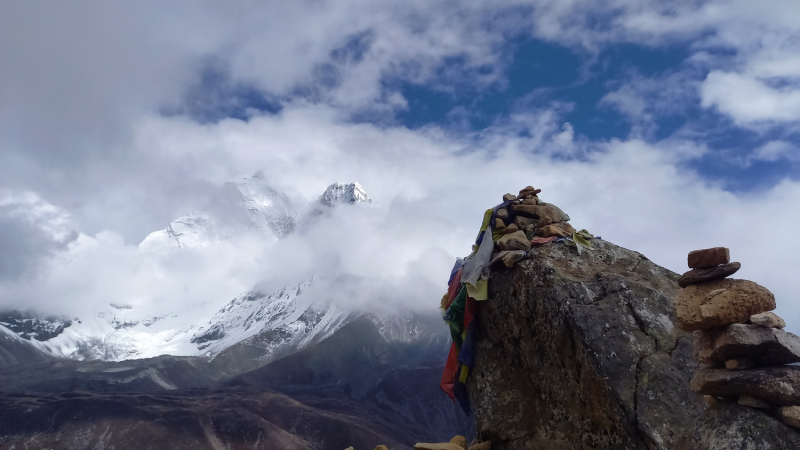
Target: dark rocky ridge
583, 352
232, 418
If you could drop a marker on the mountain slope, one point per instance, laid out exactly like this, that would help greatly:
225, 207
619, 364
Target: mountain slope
351, 362
231, 418
15, 350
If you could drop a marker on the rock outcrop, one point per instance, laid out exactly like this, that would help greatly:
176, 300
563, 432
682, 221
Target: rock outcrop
582, 351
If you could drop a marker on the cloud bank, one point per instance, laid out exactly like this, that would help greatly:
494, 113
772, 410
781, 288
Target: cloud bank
101, 141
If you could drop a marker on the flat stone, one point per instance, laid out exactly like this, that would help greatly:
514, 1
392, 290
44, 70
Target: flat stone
739, 364
514, 241
512, 228
499, 224
790, 415
767, 319
509, 197
709, 257
566, 227
753, 402
695, 276
437, 446
381, 447
485, 445
524, 222
530, 200
762, 346
545, 211
550, 230
459, 440
779, 385
529, 211
529, 190
721, 302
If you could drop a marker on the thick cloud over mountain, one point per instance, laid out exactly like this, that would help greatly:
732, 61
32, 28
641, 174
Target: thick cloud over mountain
117, 119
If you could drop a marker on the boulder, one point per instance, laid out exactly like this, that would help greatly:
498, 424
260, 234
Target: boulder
696, 276
459, 440
779, 385
763, 346
721, 302
513, 241
530, 200
709, 257
767, 319
512, 228
509, 197
790, 415
499, 224
582, 352
753, 402
437, 446
728, 426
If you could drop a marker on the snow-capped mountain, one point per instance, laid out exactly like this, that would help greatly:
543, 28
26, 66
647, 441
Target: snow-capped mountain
268, 324
256, 206
344, 193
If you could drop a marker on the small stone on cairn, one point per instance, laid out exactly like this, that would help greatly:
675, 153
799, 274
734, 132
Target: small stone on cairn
737, 338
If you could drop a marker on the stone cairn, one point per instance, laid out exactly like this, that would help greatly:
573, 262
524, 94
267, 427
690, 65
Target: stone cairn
740, 344
524, 218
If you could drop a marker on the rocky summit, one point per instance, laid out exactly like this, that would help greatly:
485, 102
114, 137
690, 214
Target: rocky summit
582, 352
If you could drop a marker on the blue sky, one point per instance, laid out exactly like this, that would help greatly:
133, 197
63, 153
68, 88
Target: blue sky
663, 126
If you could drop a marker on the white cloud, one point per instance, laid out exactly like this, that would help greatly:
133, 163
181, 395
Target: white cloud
80, 86
777, 151
749, 100
430, 190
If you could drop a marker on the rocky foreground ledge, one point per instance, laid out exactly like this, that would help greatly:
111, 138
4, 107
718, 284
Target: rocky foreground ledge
583, 352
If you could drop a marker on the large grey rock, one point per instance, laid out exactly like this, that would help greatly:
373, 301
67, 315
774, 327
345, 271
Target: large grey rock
779, 385
767, 346
582, 352
728, 426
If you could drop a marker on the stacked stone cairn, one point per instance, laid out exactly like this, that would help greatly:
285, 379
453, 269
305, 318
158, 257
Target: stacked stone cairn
740, 344
526, 218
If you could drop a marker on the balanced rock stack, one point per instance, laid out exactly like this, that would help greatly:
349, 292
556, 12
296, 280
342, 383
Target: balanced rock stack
739, 343
522, 218
533, 217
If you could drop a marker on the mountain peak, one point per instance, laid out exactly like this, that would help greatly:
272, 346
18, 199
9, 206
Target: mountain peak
347, 193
